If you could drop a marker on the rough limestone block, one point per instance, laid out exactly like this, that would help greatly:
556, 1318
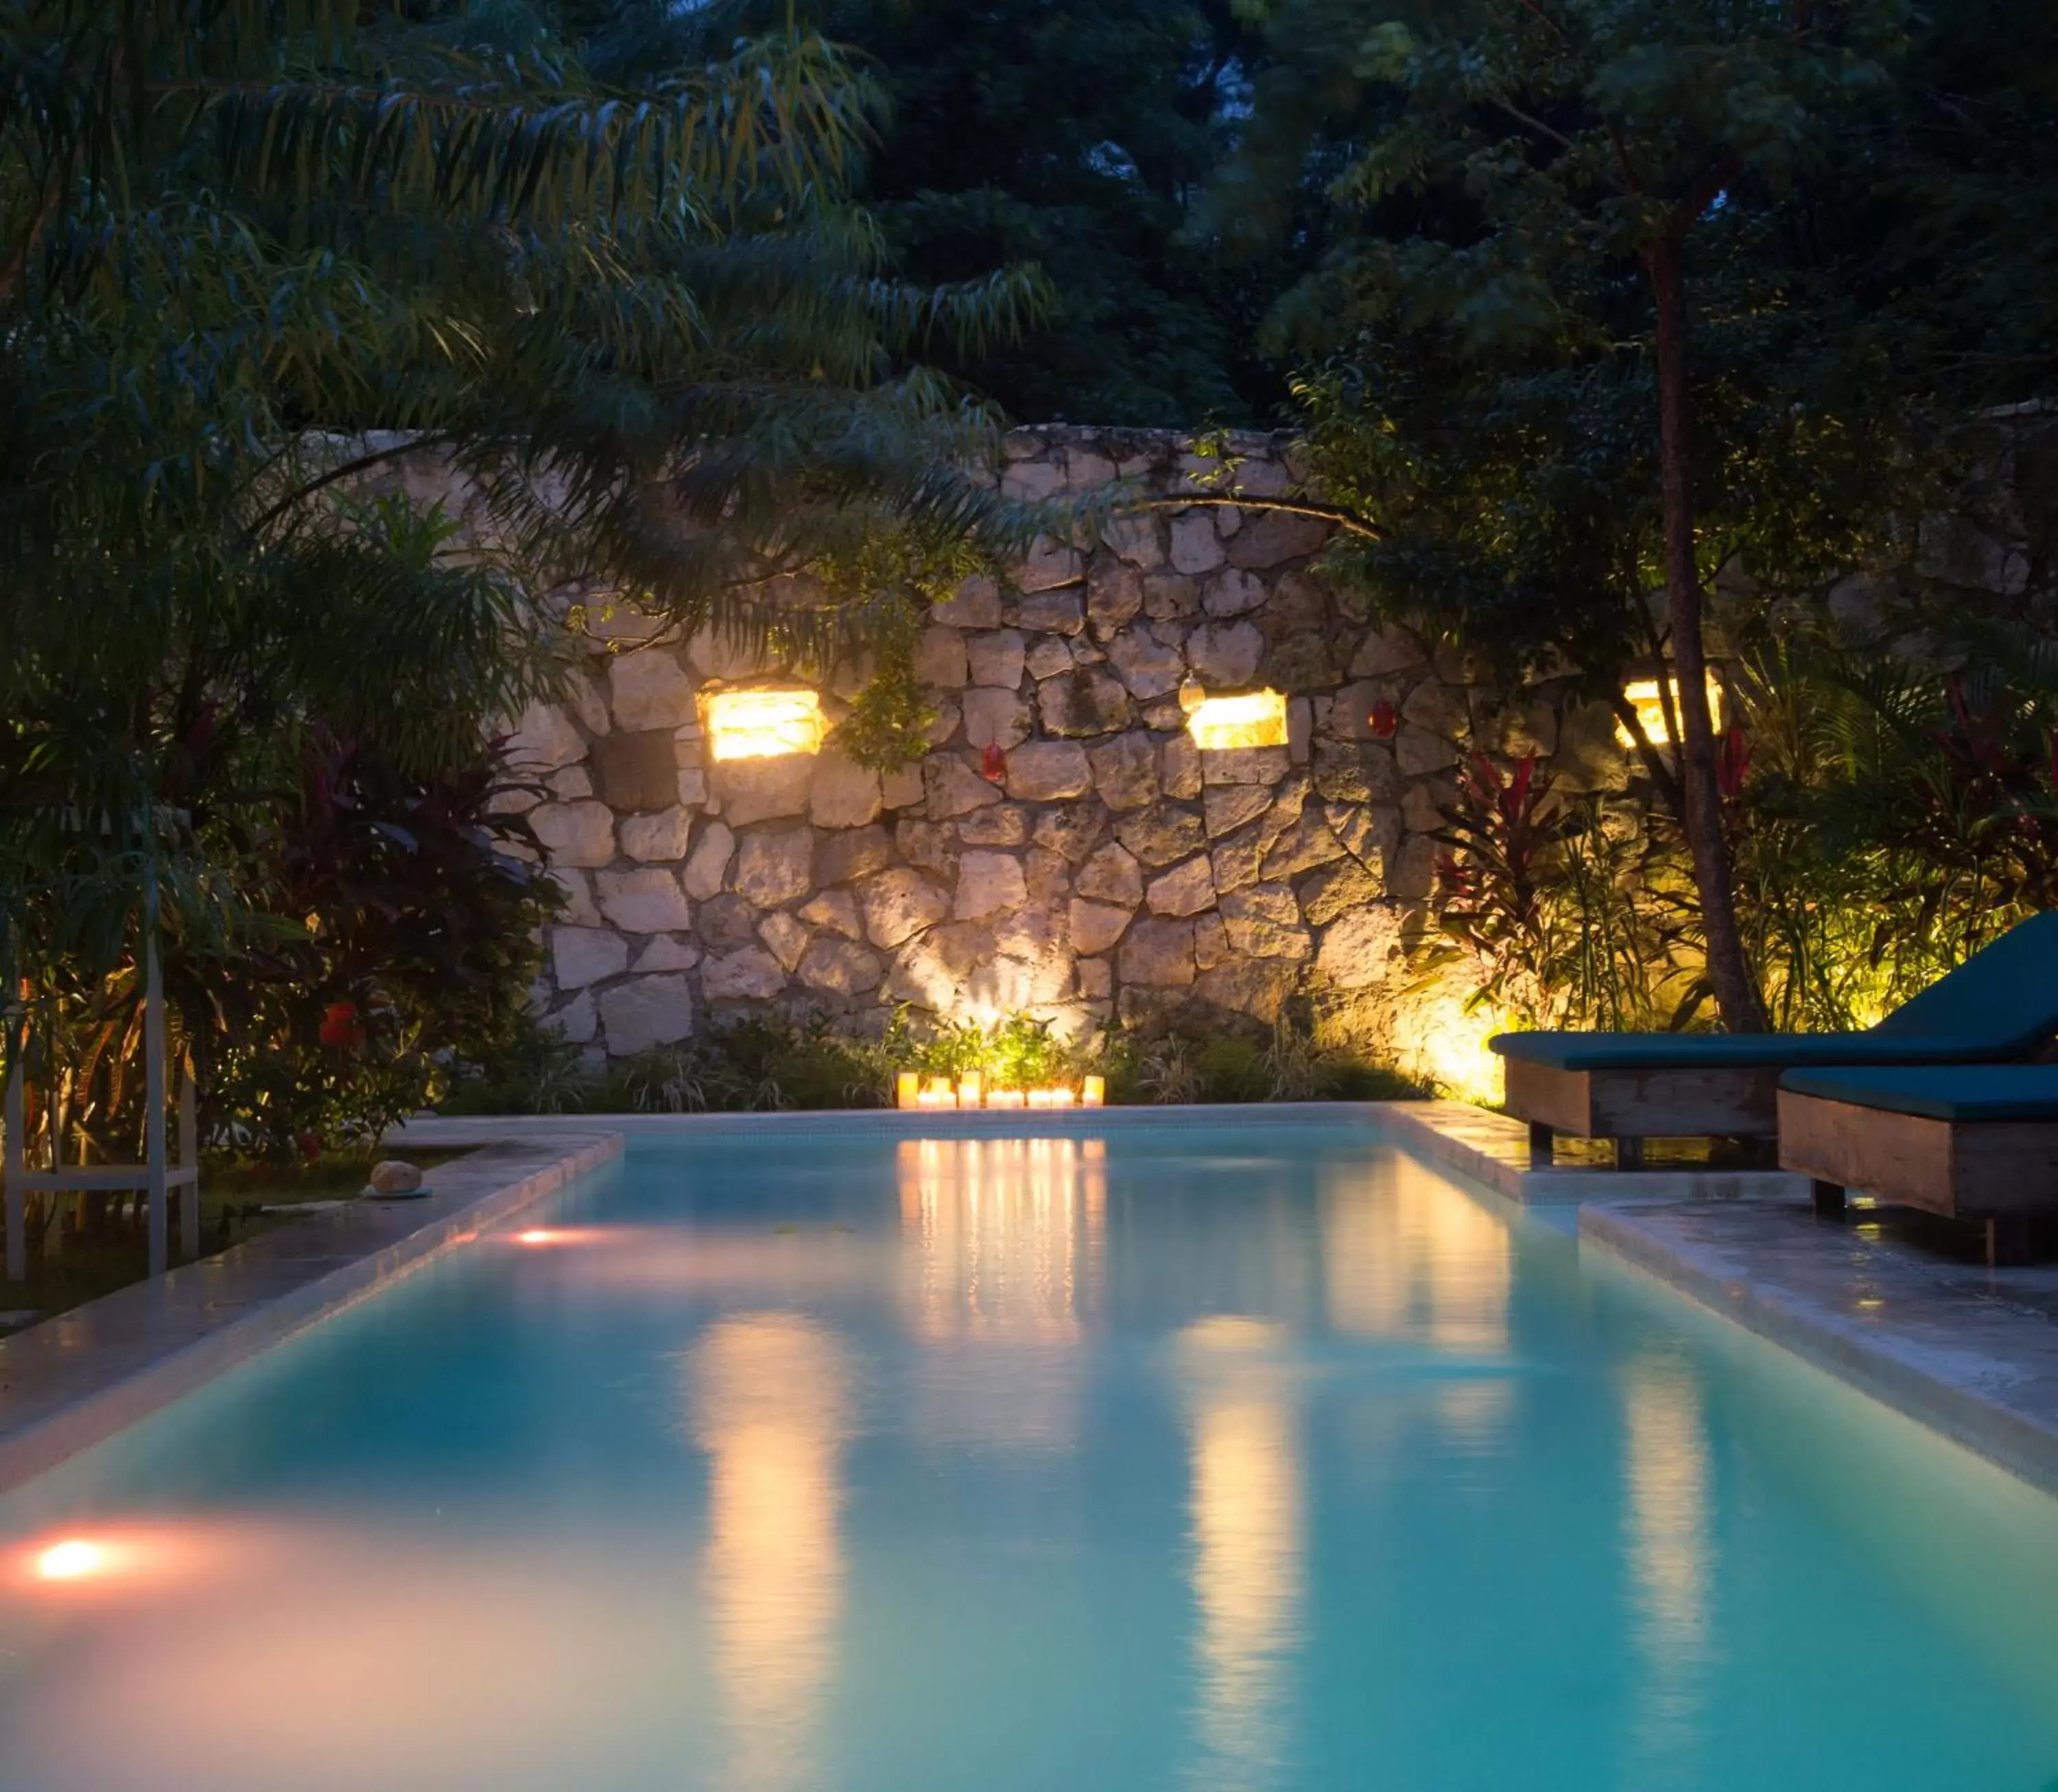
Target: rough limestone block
1048, 565
940, 659
727, 923
1071, 832
693, 787
994, 717
1196, 547
1337, 889
1306, 845
1245, 765
1227, 807
1265, 922
1185, 889
707, 867
763, 789
975, 604
1112, 876
785, 938
1049, 875
1231, 593
1211, 944
1096, 926
989, 883
580, 956
1384, 652
774, 866
1095, 978
588, 706
1410, 873
837, 968
654, 839
1162, 834
1148, 667
571, 785
1169, 597
901, 787
752, 975
1125, 771
1224, 655
1082, 702
1300, 731
1257, 987
578, 910
1114, 594
1049, 655
1133, 536
1158, 953
1360, 949
834, 912
932, 845
1029, 481
842, 794
1418, 753
665, 952
636, 771
841, 857
993, 657
1273, 538
648, 901
1179, 766
647, 1011
1005, 824
575, 833
1048, 772
714, 654
649, 689
898, 904
577, 1020
954, 787
545, 740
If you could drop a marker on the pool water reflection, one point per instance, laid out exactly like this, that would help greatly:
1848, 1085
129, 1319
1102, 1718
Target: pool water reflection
1264, 1460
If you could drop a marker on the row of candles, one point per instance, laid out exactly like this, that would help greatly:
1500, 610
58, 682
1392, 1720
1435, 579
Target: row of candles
912, 1089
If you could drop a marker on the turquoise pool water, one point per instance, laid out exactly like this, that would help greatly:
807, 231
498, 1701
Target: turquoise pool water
1195, 1459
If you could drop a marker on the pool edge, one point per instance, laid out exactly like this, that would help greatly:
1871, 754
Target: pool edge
136, 1351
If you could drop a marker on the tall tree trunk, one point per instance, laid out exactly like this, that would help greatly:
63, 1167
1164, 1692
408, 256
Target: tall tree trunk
1736, 991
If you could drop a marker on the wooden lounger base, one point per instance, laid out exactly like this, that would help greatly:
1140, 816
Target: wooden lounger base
1997, 1174
1630, 1105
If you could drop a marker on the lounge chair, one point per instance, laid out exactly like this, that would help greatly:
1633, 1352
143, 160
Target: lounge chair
2001, 1004
1974, 1142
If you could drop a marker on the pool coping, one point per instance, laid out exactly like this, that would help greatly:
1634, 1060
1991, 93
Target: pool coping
1959, 1351
1490, 1148
75, 1380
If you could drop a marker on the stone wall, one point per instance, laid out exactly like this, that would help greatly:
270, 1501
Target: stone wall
1114, 870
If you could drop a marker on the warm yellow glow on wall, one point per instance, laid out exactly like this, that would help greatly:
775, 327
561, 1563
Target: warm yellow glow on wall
1255, 718
1644, 698
764, 723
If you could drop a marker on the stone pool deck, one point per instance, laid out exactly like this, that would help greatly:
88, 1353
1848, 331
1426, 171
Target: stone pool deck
76, 1379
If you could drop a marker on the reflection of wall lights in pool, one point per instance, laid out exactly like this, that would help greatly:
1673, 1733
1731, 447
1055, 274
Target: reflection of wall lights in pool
764, 723
912, 1090
1254, 718
73, 1559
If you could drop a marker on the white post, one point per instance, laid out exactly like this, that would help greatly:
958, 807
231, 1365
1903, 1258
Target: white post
18, 1197
189, 1159
154, 1088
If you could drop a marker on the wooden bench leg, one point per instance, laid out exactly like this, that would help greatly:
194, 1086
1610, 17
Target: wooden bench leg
1629, 1154
1542, 1143
1828, 1197
2008, 1241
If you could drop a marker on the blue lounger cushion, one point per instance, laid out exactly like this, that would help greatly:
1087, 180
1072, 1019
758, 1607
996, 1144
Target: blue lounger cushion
1959, 1092
2002, 1003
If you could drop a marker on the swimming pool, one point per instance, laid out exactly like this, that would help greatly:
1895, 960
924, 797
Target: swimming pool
1194, 1456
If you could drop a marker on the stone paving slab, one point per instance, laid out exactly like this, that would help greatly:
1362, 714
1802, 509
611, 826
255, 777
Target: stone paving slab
1969, 1352
76, 1379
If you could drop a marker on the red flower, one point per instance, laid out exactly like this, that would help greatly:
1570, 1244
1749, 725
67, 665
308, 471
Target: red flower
1382, 722
310, 1145
993, 768
340, 1028
1732, 761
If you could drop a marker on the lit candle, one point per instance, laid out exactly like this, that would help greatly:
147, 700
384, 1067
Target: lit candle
908, 1089
940, 1093
1095, 1092
1004, 1098
1062, 1097
968, 1089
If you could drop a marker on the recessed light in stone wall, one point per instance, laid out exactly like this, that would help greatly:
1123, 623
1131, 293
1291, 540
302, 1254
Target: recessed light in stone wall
764, 723
1644, 698
1254, 718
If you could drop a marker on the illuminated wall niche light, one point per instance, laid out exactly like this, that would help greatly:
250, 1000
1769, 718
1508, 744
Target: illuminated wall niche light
1254, 718
764, 723
1642, 694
